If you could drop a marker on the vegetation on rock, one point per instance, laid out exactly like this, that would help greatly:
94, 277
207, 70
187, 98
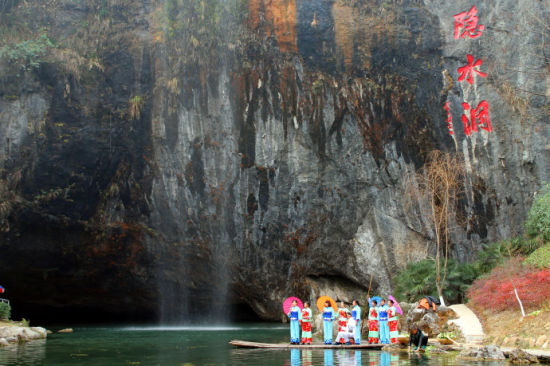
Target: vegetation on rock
418, 280
5, 310
538, 219
540, 257
26, 55
135, 105
436, 189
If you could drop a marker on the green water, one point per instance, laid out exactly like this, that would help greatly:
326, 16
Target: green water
201, 345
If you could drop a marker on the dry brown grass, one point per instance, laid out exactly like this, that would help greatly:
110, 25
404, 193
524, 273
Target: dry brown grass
9, 323
509, 324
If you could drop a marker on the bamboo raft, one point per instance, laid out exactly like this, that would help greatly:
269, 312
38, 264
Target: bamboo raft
246, 344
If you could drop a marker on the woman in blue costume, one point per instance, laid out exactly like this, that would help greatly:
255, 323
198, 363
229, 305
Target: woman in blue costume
382, 311
328, 318
295, 315
356, 314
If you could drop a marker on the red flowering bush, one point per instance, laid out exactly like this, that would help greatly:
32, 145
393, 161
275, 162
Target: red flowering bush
496, 291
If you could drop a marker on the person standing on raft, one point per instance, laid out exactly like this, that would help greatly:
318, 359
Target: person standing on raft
356, 315
328, 317
295, 316
342, 320
383, 322
392, 322
306, 324
373, 323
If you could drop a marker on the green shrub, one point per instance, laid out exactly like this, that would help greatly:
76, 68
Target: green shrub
418, 280
26, 55
540, 257
538, 219
5, 310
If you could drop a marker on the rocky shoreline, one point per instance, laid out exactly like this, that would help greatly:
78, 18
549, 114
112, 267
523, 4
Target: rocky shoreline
17, 334
482, 353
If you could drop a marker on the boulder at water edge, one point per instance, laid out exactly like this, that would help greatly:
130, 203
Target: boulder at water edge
485, 353
21, 334
429, 321
520, 356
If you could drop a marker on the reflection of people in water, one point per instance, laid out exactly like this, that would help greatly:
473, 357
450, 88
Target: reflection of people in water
419, 359
307, 358
329, 357
389, 359
384, 359
347, 357
294, 357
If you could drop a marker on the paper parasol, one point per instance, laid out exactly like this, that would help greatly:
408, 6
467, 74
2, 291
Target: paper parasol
377, 298
321, 303
396, 304
287, 304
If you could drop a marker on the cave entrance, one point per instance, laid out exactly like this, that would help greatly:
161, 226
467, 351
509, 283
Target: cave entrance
242, 312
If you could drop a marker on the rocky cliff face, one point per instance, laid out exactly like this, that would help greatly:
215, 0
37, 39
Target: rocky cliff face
161, 158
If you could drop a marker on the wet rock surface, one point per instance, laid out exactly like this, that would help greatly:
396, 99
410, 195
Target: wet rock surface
258, 154
13, 334
486, 353
520, 356
431, 323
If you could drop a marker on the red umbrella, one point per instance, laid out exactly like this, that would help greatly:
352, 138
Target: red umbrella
396, 304
287, 304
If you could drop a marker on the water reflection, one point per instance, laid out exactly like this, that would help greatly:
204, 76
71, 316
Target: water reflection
30, 353
329, 357
347, 357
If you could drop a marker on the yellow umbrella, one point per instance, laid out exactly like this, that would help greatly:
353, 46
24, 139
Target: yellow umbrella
321, 303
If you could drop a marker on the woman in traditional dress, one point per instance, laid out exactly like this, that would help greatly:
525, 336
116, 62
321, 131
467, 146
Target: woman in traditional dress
356, 315
306, 324
295, 315
383, 322
328, 317
393, 320
344, 334
373, 323
342, 320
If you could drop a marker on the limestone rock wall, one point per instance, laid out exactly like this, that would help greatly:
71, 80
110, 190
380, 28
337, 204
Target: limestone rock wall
206, 153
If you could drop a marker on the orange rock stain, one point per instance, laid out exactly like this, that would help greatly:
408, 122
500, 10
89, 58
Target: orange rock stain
275, 17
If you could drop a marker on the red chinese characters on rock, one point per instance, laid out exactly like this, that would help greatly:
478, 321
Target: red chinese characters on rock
449, 118
467, 72
478, 117
466, 24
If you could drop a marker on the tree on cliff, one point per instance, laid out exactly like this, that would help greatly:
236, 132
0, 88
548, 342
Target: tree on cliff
435, 189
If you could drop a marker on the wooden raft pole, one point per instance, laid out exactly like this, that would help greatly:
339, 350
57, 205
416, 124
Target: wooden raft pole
246, 344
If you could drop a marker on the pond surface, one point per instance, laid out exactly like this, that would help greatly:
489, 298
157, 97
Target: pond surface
199, 345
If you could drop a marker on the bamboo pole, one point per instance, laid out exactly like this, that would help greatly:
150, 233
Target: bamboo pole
366, 304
